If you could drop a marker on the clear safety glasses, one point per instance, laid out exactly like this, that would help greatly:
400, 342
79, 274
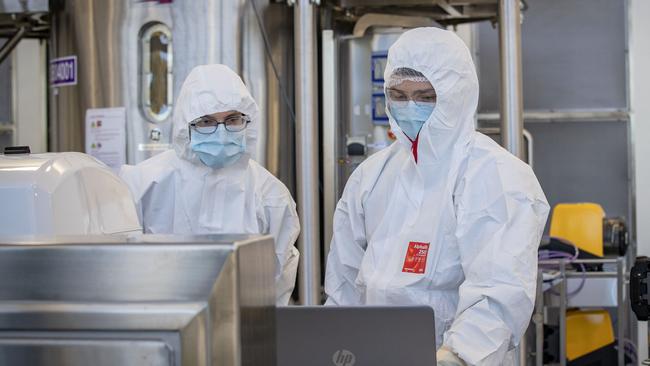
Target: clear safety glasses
406, 84
420, 97
207, 125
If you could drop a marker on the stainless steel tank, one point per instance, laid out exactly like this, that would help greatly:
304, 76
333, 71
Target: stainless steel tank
136, 54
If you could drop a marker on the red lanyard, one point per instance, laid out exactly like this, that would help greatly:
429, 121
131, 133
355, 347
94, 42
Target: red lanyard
414, 147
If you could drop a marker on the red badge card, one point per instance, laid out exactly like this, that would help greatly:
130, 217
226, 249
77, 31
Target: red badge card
416, 258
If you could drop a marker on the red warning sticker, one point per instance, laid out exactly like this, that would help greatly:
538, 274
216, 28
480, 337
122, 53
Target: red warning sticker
416, 258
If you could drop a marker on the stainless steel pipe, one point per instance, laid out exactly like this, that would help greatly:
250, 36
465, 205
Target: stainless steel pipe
11, 43
512, 120
306, 100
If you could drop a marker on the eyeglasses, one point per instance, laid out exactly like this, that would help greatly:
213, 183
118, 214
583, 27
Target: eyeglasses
418, 96
207, 125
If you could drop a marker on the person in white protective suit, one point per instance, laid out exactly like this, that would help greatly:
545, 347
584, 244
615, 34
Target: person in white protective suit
210, 183
443, 217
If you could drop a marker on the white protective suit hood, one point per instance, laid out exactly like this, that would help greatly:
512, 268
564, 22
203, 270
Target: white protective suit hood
199, 97
458, 230
442, 57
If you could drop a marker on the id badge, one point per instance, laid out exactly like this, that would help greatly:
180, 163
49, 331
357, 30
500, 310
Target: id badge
416, 258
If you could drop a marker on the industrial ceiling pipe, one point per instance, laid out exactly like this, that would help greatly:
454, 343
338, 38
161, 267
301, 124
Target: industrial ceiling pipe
512, 121
306, 100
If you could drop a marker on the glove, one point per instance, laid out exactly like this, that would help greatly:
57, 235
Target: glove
446, 357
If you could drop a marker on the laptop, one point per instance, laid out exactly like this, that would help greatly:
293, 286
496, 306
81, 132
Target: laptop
355, 336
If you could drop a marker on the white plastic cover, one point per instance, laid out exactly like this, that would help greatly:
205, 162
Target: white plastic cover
62, 194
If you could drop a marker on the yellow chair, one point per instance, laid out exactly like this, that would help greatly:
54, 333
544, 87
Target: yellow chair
581, 224
589, 335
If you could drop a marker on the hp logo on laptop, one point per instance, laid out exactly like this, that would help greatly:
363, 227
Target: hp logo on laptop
343, 357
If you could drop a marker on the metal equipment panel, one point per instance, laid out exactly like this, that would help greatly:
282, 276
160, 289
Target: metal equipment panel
204, 300
80, 351
583, 162
570, 62
360, 99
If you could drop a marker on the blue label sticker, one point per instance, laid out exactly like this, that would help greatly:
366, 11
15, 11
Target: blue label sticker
379, 116
378, 65
63, 71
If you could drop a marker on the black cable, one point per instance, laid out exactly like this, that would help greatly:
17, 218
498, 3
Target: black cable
267, 48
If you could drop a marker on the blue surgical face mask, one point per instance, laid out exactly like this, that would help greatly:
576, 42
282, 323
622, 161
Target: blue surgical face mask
410, 117
219, 149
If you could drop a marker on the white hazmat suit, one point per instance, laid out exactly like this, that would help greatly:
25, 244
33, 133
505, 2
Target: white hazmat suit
458, 230
176, 193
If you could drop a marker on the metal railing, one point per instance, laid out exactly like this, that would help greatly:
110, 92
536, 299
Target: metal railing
538, 315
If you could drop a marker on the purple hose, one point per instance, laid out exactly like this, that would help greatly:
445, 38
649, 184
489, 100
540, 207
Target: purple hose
553, 254
630, 350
